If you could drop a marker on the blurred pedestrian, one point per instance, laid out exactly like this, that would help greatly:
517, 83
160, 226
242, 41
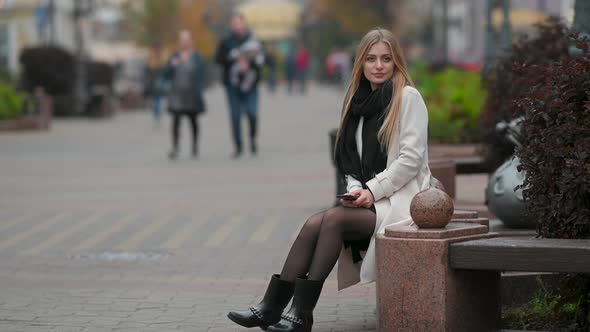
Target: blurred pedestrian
381, 146
302, 65
185, 73
241, 57
330, 68
271, 67
290, 70
157, 91
156, 85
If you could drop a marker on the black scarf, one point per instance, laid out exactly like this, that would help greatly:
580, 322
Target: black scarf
373, 106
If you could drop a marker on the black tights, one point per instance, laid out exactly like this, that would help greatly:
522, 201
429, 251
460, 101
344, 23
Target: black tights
176, 128
317, 247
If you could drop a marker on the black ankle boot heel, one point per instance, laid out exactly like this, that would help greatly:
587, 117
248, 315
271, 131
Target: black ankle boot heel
269, 310
300, 317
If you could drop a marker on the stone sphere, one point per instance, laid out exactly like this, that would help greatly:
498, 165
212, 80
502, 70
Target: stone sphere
432, 208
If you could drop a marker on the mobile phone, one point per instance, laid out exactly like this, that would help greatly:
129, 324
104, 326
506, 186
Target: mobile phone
347, 197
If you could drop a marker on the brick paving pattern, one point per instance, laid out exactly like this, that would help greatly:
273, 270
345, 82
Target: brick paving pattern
100, 232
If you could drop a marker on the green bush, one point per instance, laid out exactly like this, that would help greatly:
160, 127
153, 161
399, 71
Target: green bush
11, 102
454, 99
552, 309
544, 312
6, 76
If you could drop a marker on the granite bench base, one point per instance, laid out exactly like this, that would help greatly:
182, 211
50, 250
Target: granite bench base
417, 290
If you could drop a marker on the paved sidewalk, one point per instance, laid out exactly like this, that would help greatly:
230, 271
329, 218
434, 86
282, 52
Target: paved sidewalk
99, 231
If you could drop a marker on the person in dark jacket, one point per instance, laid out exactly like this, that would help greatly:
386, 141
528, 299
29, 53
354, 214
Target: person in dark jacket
241, 58
185, 73
271, 65
290, 69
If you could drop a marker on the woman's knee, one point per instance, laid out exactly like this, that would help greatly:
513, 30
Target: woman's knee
333, 219
313, 224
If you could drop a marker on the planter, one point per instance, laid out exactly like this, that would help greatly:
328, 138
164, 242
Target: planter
64, 105
131, 100
100, 103
40, 119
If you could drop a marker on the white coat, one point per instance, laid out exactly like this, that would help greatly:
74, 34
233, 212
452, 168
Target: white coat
406, 174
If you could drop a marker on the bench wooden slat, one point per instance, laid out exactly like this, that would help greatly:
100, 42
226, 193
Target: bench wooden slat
513, 254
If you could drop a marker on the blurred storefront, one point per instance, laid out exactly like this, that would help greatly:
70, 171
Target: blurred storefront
26, 23
276, 23
466, 27
272, 20
456, 31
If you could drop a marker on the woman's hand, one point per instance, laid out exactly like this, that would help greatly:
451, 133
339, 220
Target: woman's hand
365, 199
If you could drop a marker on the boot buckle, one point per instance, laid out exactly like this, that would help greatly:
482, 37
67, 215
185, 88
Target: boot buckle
292, 319
257, 313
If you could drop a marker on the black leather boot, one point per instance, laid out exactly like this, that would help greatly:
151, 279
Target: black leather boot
300, 317
269, 310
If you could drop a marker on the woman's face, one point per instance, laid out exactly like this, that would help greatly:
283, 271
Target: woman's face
378, 66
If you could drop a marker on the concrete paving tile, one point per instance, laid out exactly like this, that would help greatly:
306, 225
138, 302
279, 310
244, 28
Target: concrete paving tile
68, 329
125, 172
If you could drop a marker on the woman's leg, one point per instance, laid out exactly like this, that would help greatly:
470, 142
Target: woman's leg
281, 287
175, 134
301, 253
336, 224
339, 224
195, 131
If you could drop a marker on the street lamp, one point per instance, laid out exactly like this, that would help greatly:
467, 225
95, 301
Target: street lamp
491, 47
81, 9
490, 50
506, 26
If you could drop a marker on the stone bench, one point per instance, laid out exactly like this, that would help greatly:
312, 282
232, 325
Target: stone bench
529, 255
471, 165
448, 279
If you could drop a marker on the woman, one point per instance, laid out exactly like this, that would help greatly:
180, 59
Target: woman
381, 146
185, 72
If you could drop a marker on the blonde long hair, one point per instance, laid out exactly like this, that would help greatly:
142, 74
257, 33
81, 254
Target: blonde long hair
400, 79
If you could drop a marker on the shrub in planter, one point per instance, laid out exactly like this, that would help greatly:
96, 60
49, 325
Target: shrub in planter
6, 75
100, 87
556, 156
550, 44
50, 67
454, 98
100, 74
12, 102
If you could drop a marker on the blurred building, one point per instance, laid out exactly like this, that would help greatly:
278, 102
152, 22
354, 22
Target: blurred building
272, 20
455, 31
26, 23
466, 27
